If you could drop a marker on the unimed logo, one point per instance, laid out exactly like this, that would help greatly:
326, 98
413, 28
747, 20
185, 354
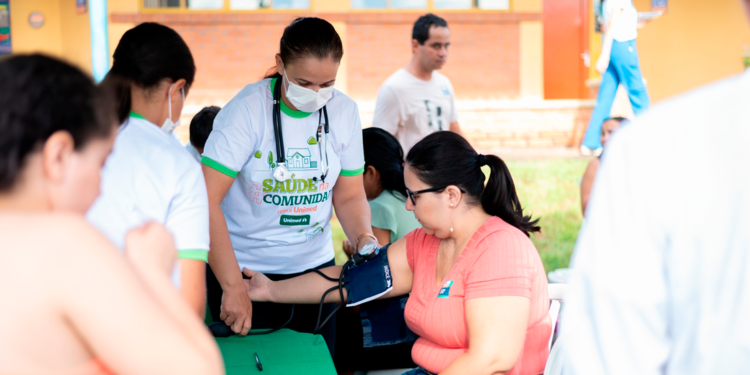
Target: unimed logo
295, 220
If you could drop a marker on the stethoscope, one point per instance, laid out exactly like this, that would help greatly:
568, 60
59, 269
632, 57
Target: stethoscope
281, 172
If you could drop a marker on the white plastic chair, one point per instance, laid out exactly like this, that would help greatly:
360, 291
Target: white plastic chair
555, 360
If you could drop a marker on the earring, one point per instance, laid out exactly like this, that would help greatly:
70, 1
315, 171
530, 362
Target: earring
451, 219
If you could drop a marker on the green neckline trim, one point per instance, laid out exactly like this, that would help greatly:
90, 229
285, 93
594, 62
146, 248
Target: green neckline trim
284, 108
218, 166
353, 172
133, 114
201, 255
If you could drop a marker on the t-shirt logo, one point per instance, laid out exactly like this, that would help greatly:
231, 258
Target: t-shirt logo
446, 289
299, 159
445, 90
255, 191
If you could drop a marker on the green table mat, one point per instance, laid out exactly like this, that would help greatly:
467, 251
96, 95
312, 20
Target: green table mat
281, 352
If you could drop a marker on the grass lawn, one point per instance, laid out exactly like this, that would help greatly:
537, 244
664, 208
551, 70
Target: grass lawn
548, 189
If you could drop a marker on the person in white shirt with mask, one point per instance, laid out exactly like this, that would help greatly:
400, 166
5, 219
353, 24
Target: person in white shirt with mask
417, 101
660, 282
282, 154
150, 176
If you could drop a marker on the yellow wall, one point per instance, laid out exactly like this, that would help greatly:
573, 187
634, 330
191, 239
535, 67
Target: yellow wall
65, 34
26, 39
532, 60
75, 35
122, 6
695, 43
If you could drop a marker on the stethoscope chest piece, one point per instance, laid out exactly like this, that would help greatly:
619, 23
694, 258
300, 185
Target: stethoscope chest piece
281, 172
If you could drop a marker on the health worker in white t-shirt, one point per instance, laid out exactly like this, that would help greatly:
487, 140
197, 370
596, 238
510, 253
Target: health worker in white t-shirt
274, 173
417, 100
150, 176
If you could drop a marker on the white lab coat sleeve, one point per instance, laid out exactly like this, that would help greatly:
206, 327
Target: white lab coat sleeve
616, 316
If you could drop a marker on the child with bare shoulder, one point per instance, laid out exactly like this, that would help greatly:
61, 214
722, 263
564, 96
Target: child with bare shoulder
72, 303
587, 181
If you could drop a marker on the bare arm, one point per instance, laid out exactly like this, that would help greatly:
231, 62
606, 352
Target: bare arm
497, 330
193, 284
309, 288
236, 309
351, 206
587, 182
383, 235
134, 302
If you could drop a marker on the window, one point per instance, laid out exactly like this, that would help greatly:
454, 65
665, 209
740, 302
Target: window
369, 4
493, 4
389, 4
205, 4
230, 4
452, 4
433, 4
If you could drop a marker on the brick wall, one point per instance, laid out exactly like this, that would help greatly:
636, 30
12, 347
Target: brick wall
232, 50
230, 56
483, 62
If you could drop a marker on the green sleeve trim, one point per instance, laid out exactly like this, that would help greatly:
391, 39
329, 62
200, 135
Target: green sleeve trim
353, 172
216, 165
193, 254
284, 108
136, 115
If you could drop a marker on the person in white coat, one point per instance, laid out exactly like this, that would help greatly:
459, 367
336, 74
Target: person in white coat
660, 282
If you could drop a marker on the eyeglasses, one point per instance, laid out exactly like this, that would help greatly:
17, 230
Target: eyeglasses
411, 194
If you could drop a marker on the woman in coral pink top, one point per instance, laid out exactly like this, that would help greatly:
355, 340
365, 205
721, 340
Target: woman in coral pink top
478, 288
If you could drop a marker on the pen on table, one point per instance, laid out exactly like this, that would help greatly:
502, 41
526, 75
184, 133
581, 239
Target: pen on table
257, 362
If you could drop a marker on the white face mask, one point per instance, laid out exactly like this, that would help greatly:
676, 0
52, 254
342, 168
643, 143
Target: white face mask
307, 100
169, 125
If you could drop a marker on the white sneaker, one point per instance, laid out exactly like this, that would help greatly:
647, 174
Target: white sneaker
585, 151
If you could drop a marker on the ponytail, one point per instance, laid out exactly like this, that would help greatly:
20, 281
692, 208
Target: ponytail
499, 196
445, 158
120, 88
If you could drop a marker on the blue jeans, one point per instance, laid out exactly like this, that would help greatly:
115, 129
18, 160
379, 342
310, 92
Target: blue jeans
417, 371
623, 68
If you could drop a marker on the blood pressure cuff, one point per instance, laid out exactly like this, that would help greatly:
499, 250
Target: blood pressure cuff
370, 280
383, 322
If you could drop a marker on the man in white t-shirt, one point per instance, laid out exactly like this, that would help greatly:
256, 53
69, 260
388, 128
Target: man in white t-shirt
416, 101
